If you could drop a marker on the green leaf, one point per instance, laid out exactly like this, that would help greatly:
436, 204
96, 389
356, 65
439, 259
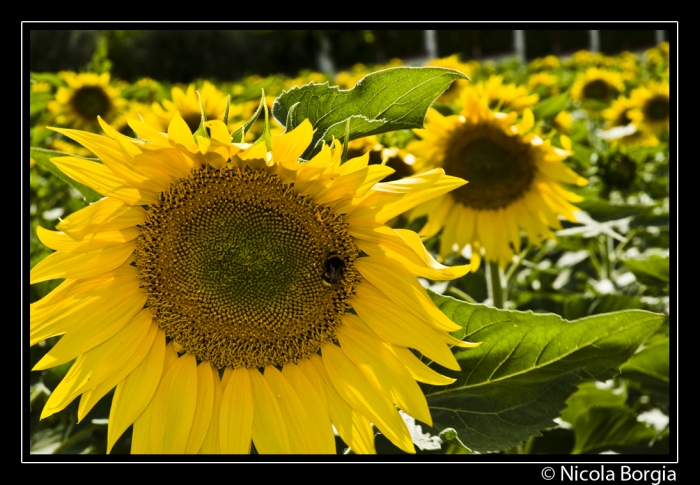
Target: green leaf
237, 136
653, 270
201, 130
516, 382
388, 100
37, 102
650, 368
601, 421
48, 77
43, 156
551, 107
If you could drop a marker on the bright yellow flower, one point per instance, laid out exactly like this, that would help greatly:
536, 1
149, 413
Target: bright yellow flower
652, 107
87, 96
186, 103
596, 87
618, 116
235, 296
514, 181
548, 63
505, 97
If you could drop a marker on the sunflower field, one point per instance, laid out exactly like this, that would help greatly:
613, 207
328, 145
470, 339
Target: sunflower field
445, 257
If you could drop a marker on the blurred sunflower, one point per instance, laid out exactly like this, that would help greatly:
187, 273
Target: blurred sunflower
234, 295
453, 92
618, 116
547, 63
514, 181
186, 103
652, 109
87, 96
596, 87
505, 97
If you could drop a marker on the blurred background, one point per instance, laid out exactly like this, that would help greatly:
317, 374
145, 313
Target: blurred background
225, 55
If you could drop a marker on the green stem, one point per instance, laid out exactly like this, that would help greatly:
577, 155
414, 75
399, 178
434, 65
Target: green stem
495, 287
73, 439
460, 294
513, 268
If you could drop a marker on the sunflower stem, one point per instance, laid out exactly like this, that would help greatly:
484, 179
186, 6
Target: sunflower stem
514, 267
461, 294
495, 285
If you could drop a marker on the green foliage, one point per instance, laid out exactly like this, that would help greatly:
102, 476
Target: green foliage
388, 100
516, 382
652, 270
601, 420
551, 107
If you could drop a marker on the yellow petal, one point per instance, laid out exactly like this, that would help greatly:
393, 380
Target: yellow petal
211, 440
287, 148
141, 437
236, 418
92, 368
174, 406
82, 301
180, 134
60, 241
419, 371
103, 180
269, 429
396, 326
204, 409
303, 437
403, 288
135, 392
80, 265
386, 373
355, 429
354, 388
315, 406
104, 215
142, 344
118, 313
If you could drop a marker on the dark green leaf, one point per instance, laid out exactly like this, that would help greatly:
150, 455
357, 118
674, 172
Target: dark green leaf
43, 156
48, 77
601, 421
515, 383
388, 100
650, 368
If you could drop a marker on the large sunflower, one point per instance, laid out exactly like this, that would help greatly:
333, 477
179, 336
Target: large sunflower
87, 96
234, 295
513, 181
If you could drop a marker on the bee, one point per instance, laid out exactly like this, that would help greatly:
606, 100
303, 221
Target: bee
334, 270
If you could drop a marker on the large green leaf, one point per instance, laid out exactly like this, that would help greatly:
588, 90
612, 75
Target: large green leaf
43, 159
388, 100
653, 270
601, 421
516, 382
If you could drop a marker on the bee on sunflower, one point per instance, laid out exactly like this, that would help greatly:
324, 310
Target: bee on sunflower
236, 297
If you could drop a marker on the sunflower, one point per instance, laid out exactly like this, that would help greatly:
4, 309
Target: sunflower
87, 96
505, 97
234, 295
595, 88
547, 63
618, 117
513, 181
186, 103
652, 109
